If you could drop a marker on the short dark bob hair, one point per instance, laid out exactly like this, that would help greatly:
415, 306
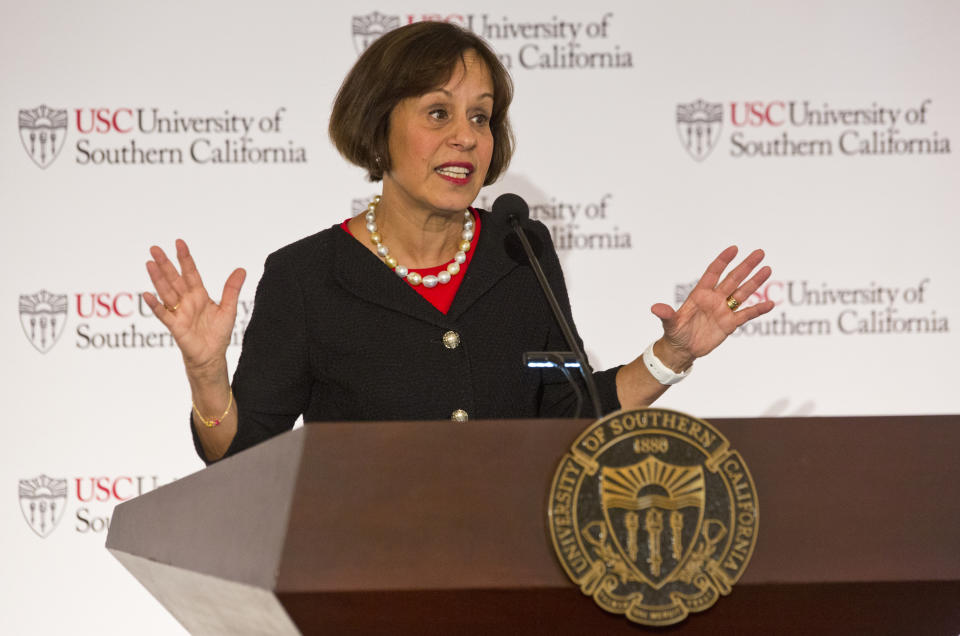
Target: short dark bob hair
408, 62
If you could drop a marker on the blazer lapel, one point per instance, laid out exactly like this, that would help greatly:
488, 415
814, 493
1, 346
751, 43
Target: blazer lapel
490, 263
361, 273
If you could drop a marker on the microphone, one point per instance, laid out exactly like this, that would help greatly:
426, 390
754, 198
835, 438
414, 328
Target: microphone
516, 212
512, 206
515, 209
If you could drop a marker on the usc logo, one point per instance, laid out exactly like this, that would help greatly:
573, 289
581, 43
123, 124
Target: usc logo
758, 113
105, 304
104, 120
454, 18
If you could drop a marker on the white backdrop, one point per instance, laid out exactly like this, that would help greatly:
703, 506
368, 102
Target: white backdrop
827, 136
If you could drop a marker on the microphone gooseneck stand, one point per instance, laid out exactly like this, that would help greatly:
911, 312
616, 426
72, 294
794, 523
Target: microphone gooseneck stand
516, 209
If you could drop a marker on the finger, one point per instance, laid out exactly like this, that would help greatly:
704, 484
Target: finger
742, 293
168, 270
749, 313
740, 272
150, 299
663, 311
715, 269
153, 270
166, 317
188, 268
231, 289
165, 291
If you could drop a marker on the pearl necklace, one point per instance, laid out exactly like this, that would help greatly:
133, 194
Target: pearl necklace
443, 277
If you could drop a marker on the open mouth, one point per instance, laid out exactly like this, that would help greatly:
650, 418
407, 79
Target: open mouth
456, 172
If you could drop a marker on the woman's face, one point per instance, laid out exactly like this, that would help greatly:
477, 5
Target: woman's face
440, 142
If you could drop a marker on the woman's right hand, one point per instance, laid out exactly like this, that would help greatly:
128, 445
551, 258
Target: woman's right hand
201, 327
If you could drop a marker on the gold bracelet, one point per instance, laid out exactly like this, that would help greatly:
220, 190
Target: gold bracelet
216, 420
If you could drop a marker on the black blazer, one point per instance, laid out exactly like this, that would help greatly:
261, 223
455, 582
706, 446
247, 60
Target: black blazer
335, 335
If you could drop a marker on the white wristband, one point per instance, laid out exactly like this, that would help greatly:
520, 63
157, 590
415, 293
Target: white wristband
660, 371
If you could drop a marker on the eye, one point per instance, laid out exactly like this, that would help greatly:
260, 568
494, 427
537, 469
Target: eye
481, 119
439, 114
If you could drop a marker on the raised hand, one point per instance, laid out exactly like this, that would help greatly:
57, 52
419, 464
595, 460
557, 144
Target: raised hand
710, 314
201, 327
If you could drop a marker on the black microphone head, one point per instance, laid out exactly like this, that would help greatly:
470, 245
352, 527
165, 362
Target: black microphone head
515, 209
511, 205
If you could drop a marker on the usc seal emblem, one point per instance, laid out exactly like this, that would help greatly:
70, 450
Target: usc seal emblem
653, 515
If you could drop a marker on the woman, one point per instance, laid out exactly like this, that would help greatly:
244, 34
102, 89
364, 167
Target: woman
415, 309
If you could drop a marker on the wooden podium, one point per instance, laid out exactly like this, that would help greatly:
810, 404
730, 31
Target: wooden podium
439, 528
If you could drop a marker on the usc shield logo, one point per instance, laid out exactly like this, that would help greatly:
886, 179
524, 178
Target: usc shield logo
43, 131
653, 515
43, 316
367, 28
699, 124
42, 502
658, 503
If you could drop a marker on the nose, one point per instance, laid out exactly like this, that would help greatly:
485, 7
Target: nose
462, 134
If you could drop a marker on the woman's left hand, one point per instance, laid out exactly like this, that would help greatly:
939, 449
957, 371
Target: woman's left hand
706, 318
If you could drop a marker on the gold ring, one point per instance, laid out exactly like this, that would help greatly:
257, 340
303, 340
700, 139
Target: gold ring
732, 303
171, 309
